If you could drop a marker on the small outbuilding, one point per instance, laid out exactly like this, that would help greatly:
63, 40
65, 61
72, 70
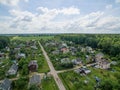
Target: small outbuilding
33, 66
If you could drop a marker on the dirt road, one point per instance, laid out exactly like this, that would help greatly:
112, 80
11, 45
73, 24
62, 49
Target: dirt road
52, 70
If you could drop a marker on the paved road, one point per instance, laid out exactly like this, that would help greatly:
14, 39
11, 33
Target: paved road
52, 70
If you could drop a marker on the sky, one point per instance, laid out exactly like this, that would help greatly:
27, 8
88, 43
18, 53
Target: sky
59, 16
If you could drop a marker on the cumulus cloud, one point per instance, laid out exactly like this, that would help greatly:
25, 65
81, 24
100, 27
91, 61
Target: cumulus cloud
11, 2
65, 11
45, 21
69, 11
109, 23
18, 13
42, 20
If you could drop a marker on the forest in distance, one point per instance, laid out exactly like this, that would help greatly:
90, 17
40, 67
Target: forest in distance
108, 43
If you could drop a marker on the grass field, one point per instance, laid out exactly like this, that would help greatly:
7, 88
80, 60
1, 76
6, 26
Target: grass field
74, 81
43, 65
49, 84
32, 38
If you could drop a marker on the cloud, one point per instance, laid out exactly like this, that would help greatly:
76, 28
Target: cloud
117, 1
18, 13
110, 23
21, 19
65, 11
109, 6
11, 2
86, 22
46, 21
69, 11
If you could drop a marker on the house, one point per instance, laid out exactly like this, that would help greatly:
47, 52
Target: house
27, 43
13, 70
62, 45
65, 60
73, 50
89, 49
17, 49
33, 66
20, 55
77, 61
2, 55
8, 49
86, 71
64, 50
114, 63
30, 43
5, 85
51, 43
101, 62
99, 55
90, 59
55, 52
35, 79
34, 47
82, 49
83, 71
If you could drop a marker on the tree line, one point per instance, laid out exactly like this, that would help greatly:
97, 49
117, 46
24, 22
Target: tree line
108, 43
4, 41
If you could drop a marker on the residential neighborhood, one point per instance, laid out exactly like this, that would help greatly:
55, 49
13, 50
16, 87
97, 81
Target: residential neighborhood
54, 64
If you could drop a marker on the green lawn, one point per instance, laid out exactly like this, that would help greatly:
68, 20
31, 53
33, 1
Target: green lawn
49, 84
43, 65
4, 67
74, 81
32, 38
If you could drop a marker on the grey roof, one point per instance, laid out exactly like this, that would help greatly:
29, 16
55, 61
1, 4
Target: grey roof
99, 55
73, 49
13, 70
77, 61
6, 84
33, 62
65, 60
35, 79
81, 70
21, 54
14, 67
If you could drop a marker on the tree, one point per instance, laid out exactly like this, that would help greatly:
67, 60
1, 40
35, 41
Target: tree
25, 70
21, 83
4, 41
33, 87
106, 85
